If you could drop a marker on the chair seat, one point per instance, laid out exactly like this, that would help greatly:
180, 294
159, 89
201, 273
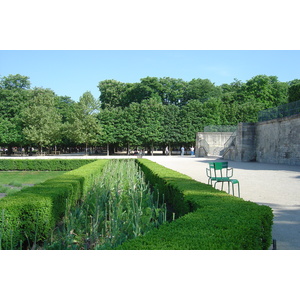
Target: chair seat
220, 179
234, 181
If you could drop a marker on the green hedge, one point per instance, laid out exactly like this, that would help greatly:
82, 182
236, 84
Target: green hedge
42, 164
32, 213
207, 218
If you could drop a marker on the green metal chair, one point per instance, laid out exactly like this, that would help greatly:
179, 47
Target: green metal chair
220, 172
210, 172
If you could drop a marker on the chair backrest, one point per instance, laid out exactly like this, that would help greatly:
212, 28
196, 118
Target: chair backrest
211, 165
220, 169
210, 172
221, 165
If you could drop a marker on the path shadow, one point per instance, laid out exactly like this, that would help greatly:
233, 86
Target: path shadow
286, 227
253, 165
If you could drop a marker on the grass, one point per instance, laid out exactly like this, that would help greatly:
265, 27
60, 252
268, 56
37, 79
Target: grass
12, 181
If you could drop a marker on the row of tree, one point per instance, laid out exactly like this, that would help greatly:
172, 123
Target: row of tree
153, 112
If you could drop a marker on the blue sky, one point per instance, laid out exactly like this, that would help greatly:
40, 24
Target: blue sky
73, 72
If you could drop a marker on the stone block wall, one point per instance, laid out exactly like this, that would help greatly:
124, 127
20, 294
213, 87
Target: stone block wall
215, 141
278, 141
274, 141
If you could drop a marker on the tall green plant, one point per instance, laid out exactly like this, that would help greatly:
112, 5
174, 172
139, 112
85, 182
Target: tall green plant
120, 206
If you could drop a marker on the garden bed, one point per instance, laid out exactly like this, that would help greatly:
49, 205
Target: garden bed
199, 216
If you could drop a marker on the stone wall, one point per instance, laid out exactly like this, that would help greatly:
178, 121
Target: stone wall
274, 141
278, 141
243, 147
215, 143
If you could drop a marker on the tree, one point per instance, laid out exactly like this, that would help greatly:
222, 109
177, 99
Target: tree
294, 90
41, 121
14, 95
111, 121
150, 123
112, 93
201, 90
171, 126
12, 82
83, 126
266, 90
65, 106
10, 133
195, 115
233, 92
172, 91
130, 129
137, 92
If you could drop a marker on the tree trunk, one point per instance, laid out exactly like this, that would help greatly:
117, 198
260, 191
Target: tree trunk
107, 149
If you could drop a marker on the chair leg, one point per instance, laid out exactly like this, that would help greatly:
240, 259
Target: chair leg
238, 188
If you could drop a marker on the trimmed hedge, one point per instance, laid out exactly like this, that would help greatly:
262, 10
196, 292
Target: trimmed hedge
42, 164
208, 219
32, 213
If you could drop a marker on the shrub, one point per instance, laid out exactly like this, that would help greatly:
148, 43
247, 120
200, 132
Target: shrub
29, 215
208, 218
42, 164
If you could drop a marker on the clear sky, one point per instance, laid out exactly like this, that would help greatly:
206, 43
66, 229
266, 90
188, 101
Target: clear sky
73, 72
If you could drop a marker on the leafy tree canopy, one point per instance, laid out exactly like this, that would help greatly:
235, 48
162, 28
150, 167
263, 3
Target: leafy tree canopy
12, 82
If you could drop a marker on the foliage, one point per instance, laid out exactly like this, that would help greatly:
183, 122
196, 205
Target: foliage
154, 112
83, 126
150, 123
171, 125
202, 90
113, 126
42, 164
119, 206
294, 91
206, 218
12, 82
29, 215
42, 123
112, 93
9, 132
